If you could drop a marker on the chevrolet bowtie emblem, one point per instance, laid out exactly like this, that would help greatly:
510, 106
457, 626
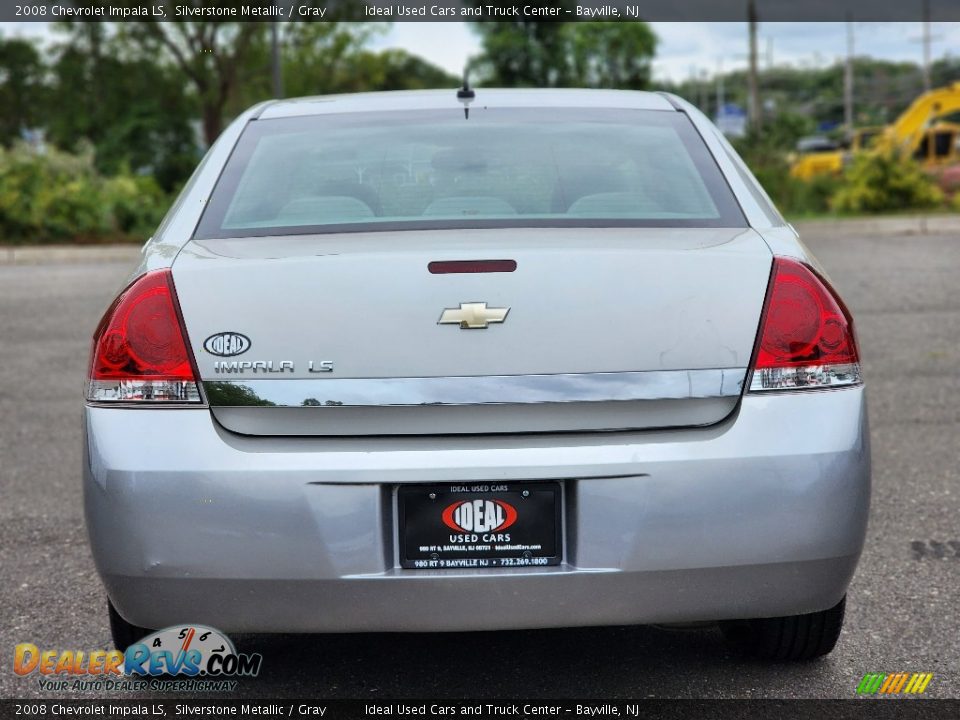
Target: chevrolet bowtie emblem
473, 316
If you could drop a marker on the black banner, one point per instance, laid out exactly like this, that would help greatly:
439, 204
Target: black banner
461, 709
481, 10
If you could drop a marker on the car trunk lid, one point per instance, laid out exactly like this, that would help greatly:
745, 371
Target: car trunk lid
602, 329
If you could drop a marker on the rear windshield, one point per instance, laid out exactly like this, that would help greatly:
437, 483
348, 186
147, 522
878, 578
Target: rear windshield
503, 167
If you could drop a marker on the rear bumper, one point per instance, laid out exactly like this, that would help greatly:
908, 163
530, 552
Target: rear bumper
761, 515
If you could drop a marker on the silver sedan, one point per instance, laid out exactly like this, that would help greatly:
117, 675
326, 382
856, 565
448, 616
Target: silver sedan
438, 361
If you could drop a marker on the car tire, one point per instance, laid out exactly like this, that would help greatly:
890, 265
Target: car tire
791, 638
124, 634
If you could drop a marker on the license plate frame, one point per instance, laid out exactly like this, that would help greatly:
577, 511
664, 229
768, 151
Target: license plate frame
512, 529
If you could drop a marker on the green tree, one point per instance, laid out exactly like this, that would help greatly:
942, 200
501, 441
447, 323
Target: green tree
327, 58
523, 54
146, 93
222, 60
611, 55
22, 90
945, 71
211, 55
318, 58
565, 54
883, 89
134, 109
228, 64
398, 70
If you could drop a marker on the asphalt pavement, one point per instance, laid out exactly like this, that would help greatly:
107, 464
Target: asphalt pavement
902, 612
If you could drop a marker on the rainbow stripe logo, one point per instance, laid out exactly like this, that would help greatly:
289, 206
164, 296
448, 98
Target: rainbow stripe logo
894, 683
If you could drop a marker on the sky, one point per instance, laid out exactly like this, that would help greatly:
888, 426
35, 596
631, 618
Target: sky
685, 49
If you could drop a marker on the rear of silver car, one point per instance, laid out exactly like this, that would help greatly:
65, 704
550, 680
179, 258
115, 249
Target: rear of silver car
364, 403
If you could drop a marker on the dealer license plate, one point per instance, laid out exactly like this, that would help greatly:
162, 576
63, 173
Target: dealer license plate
479, 525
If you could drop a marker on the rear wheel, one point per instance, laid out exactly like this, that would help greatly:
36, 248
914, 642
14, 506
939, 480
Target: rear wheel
124, 634
790, 638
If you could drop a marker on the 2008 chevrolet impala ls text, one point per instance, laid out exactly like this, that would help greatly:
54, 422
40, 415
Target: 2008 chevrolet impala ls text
435, 361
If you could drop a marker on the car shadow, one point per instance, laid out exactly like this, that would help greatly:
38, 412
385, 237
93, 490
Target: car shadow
609, 662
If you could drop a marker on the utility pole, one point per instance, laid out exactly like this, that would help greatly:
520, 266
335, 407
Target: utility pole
753, 89
848, 78
275, 60
927, 39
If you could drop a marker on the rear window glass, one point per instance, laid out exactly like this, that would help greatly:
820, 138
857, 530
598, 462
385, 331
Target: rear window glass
497, 168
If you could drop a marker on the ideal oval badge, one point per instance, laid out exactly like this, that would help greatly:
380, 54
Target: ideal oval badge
479, 516
227, 344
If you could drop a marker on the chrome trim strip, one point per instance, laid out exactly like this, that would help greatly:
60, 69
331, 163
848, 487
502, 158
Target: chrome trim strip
477, 390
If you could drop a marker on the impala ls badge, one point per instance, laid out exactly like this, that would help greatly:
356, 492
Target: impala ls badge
473, 316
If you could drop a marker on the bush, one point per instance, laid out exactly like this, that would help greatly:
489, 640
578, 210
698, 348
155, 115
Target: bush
791, 195
60, 197
137, 202
884, 182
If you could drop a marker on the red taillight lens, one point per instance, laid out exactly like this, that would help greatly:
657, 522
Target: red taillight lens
806, 337
140, 350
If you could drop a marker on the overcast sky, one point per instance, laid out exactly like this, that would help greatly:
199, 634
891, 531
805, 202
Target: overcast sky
685, 48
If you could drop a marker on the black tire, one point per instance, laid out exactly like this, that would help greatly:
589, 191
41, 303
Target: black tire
124, 634
792, 638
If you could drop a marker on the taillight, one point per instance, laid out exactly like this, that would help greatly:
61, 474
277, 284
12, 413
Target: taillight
806, 334
140, 350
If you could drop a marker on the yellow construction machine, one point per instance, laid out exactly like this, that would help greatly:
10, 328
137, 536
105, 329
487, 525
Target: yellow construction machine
919, 132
